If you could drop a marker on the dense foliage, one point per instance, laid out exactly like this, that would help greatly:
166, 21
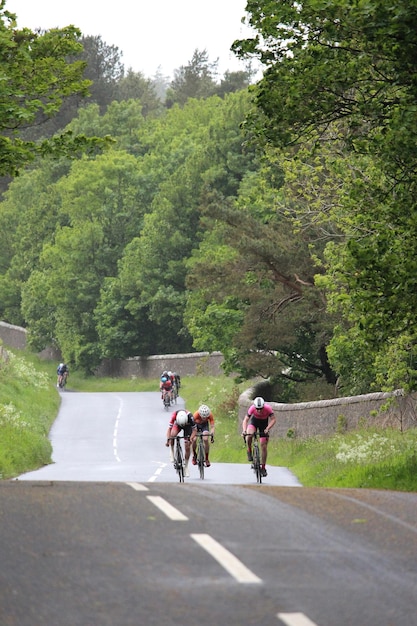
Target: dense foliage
338, 98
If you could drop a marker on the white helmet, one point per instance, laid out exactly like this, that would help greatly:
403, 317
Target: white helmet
204, 411
182, 418
259, 403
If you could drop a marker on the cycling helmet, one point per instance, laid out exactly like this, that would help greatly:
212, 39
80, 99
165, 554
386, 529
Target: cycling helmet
164, 379
182, 418
204, 411
259, 403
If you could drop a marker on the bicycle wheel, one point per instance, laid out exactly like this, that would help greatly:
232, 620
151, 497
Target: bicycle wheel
201, 457
257, 463
167, 402
179, 462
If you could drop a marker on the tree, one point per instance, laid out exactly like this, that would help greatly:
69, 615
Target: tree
37, 78
343, 73
135, 86
103, 67
194, 80
252, 294
234, 81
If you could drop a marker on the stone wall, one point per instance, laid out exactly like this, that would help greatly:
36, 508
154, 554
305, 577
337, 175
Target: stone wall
13, 336
191, 364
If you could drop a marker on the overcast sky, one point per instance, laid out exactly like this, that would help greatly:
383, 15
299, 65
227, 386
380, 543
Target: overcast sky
149, 33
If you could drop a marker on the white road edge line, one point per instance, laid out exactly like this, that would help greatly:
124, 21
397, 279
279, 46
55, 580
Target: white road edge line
295, 619
137, 486
226, 559
167, 508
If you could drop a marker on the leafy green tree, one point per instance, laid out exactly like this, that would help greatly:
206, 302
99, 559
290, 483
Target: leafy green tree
190, 150
37, 79
252, 295
197, 79
134, 86
103, 67
234, 81
99, 203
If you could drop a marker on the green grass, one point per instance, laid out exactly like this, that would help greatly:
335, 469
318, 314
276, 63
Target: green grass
29, 404
366, 458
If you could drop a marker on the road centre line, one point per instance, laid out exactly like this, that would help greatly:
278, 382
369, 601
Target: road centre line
167, 508
116, 427
295, 619
226, 559
137, 486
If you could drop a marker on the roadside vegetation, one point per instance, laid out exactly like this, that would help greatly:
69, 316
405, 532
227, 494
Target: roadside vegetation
366, 458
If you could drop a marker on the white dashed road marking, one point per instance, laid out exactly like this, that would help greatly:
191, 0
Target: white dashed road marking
295, 619
137, 486
226, 559
167, 508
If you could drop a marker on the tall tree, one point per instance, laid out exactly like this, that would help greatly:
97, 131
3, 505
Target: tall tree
135, 86
197, 79
103, 67
345, 73
37, 78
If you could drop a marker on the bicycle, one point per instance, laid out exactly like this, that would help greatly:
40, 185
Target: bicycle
256, 456
166, 400
62, 380
201, 453
179, 461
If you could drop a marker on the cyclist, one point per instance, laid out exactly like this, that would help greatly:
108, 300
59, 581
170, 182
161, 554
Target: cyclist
204, 420
260, 416
165, 386
181, 420
62, 373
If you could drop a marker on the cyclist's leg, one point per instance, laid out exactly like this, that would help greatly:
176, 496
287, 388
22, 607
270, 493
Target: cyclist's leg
187, 447
174, 432
264, 451
206, 434
194, 441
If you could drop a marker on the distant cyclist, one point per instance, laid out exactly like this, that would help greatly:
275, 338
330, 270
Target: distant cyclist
181, 420
62, 374
165, 386
260, 416
204, 420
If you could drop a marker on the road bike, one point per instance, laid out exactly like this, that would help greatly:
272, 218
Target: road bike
256, 456
62, 380
166, 400
179, 460
201, 453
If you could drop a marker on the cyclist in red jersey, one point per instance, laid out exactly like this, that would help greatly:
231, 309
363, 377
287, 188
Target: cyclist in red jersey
260, 416
165, 386
181, 420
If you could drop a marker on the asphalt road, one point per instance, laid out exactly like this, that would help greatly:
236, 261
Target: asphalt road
141, 551
121, 437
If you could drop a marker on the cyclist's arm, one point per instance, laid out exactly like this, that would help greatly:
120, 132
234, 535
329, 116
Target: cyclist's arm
245, 422
272, 419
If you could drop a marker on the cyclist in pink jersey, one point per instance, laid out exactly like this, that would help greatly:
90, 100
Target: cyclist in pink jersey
260, 416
